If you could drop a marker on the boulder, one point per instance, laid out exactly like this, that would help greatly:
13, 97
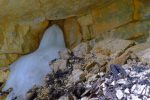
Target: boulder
59, 65
76, 76
112, 46
81, 50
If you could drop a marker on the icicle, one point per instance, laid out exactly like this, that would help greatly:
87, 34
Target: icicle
31, 69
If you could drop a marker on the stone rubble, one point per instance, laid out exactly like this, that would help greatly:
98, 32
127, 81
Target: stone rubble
88, 75
134, 86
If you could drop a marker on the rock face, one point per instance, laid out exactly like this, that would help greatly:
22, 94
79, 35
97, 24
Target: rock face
110, 46
43, 9
22, 22
18, 39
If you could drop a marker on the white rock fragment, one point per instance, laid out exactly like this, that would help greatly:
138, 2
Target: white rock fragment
113, 83
126, 91
85, 98
64, 98
148, 98
134, 97
138, 89
133, 88
144, 98
122, 81
101, 73
75, 77
60, 64
147, 91
119, 94
93, 99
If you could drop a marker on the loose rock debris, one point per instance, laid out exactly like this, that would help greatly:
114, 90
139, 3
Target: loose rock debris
88, 75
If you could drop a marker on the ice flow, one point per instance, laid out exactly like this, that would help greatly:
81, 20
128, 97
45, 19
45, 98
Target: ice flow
31, 69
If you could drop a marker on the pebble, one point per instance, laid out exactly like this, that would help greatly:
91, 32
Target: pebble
121, 81
85, 98
126, 91
119, 94
113, 83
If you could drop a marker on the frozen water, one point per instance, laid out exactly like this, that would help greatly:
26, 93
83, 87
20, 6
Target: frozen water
31, 69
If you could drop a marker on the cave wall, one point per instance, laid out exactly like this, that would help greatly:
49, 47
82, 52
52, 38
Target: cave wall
127, 19
22, 23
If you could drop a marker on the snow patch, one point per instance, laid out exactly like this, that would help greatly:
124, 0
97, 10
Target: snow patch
31, 69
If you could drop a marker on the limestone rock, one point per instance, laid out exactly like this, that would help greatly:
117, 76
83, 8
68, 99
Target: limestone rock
19, 39
64, 98
134, 31
65, 54
95, 62
142, 9
72, 32
85, 98
16, 36
112, 46
81, 50
139, 47
112, 15
129, 20
3, 74
23, 22
145, 56
120, 59
6, 59
119, 94
76, 76
89, 65
86, 22
59, 65
135, 52
44, 9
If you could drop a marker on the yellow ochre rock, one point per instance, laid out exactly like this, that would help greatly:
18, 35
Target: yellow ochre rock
22, 22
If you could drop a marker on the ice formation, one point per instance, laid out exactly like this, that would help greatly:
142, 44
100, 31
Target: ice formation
31, 69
